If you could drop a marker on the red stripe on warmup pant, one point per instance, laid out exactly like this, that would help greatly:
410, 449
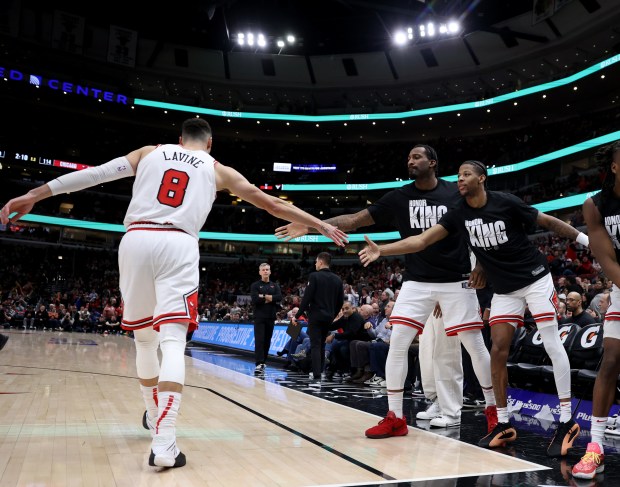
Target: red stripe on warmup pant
164, 414
155, 397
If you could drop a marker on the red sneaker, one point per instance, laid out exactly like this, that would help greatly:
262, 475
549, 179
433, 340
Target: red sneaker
591, 463
491, 413
388, 426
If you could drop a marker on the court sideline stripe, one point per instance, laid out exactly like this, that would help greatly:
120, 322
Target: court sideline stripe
302, 435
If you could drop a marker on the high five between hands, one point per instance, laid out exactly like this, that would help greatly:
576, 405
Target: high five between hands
296, 230
288, 232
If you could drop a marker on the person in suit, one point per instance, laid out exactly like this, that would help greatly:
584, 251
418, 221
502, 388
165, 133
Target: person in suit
321, 303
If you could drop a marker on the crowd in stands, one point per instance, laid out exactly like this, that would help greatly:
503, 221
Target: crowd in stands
84, 284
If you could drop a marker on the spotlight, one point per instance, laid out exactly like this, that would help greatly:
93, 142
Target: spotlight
431, 29
290, 39
453, 27
241, 38
280, 43
261, 40
250, 39
400, 38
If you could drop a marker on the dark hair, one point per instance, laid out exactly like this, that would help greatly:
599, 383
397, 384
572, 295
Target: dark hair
325, 257
431, 154
604, 158
196, 128
480, 167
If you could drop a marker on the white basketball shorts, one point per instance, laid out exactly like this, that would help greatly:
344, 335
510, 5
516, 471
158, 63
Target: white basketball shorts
611, 324
540, 297
158, 278
458, 302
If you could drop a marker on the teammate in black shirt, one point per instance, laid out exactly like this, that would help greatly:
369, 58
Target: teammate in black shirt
440, 274
494, 225
602, 216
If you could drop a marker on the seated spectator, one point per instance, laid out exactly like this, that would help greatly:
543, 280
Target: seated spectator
41, 319
353, 324
83, 319
376, 350
598, 306
575, 312
112, 326
53, 322
68, 319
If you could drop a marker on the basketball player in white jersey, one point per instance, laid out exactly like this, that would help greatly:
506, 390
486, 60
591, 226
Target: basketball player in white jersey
173, 192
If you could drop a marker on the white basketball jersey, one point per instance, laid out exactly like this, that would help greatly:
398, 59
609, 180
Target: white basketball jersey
174, 186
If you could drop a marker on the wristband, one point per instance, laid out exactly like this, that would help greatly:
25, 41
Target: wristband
583, 239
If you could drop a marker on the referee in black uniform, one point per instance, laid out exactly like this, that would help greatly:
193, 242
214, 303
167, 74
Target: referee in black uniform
322, 301
266, 296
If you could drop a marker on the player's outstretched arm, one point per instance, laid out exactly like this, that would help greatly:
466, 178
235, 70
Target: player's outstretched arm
118, 168
408, 245
346, 223
232, 180
560, 228
22, 205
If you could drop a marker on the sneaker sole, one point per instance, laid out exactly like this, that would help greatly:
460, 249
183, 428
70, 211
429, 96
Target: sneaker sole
451, 425
499, 443
566, 445
387, 435
589, 476
168, 462
425, 417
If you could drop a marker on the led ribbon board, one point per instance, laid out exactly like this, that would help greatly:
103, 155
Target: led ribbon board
385, 116
552, 205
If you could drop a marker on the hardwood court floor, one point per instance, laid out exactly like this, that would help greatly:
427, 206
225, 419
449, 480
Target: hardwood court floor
70, 415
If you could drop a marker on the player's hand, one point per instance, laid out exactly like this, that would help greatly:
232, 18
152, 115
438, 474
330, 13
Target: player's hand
333, 233
477, 278
370, 253
291, 231
21, 205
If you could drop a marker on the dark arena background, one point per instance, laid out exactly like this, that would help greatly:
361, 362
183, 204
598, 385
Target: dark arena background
317, 103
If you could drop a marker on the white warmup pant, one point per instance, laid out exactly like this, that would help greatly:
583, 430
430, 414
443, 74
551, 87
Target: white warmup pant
441, 367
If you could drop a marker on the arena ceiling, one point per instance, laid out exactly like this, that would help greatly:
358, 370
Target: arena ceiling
321, 26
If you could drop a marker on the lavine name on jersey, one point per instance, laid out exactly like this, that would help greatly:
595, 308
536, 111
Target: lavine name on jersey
486, 235
183, 157
612, 223
424, 216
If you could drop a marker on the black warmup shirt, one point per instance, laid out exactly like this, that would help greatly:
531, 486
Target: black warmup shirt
497, 234
413, 211
610, 211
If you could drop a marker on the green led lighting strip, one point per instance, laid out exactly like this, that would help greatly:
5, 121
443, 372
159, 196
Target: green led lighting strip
553, 205
384, 116
493, 171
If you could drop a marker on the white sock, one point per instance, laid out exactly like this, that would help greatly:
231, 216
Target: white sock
565, 411
169, 403
597, 430
502, 415
149, 393
395, 403
489, 396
